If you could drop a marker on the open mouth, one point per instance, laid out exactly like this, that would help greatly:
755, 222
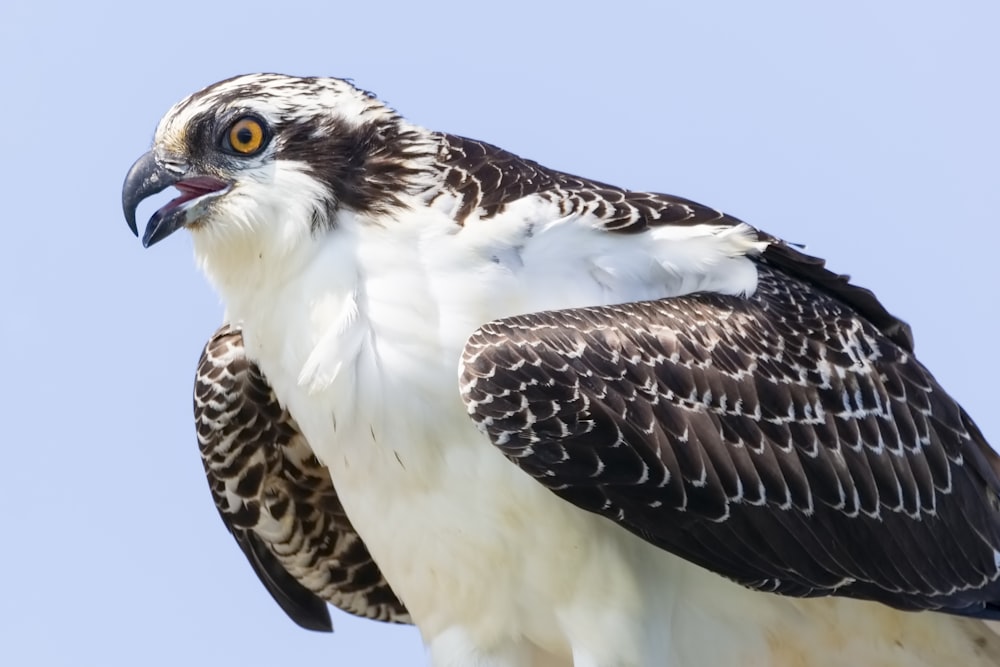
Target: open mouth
150, 175
192, 189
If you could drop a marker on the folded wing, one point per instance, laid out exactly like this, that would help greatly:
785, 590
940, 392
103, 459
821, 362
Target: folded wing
276, 499
781, 440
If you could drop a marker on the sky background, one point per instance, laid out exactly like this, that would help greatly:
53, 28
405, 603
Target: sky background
868, 131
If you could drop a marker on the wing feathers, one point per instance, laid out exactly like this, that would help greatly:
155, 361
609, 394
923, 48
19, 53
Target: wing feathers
781, 440
276, 499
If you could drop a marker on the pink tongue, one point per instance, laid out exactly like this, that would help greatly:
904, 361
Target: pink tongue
196, 187
192, 188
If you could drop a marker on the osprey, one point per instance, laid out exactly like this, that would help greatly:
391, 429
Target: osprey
572, 424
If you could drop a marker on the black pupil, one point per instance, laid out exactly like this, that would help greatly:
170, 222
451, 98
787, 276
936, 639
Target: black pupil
244, 135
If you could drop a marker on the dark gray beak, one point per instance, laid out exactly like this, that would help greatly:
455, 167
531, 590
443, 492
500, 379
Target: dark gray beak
147, 177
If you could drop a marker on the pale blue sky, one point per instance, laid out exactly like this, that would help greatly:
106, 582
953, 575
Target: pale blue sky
867, 130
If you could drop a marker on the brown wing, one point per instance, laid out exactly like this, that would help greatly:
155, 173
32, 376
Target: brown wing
276, 499
781, 440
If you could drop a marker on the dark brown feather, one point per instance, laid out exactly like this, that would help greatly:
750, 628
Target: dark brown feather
276, 499
805, 450
486, 179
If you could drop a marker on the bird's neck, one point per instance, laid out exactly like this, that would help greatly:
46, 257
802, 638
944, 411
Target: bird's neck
249, 270
323, 312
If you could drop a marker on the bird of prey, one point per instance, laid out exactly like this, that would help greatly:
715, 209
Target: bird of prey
572, 424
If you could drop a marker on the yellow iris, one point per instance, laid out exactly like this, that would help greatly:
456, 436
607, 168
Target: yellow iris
246, 135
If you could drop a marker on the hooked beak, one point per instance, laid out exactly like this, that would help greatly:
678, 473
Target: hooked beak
147, 177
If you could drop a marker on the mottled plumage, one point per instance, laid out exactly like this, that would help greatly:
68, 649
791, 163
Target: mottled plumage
780, 440
670, 393
275, 497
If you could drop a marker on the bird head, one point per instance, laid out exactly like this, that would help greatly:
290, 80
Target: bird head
265, 159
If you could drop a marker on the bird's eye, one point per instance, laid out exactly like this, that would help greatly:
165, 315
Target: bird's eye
246, 136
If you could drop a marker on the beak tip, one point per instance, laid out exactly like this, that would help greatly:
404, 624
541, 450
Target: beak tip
145, 178
128, 208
